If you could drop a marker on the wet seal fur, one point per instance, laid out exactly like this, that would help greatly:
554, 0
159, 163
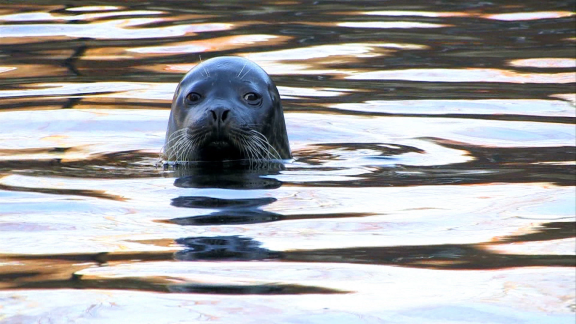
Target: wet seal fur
226, 108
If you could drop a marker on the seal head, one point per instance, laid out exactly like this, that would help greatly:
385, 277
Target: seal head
226, 108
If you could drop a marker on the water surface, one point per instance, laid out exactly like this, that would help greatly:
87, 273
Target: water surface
432, 181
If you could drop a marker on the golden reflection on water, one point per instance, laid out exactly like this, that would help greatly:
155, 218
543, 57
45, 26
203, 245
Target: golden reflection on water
529, 107
516, 16
31, 70
209, 45
393, 13
94, 8
4, 69
44, 16
391, 24
71, 89
113, 29
466, 75
545, 63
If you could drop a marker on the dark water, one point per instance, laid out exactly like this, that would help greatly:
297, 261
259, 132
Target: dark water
433, 178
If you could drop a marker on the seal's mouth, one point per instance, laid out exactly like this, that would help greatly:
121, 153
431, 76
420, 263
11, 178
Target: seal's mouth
219, 144
219, 150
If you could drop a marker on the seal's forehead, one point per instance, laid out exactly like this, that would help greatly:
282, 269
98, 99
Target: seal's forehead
231, 66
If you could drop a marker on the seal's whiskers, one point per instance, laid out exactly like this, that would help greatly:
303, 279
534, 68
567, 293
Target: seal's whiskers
254, 144
241, 70
245, 74
182, 144
203, 67
169, 147
265, 145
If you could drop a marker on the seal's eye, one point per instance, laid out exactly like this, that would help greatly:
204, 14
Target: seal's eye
252, 98
193, 97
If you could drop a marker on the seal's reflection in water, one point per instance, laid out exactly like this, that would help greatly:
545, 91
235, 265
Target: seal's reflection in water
231, 211
442, 256
231, 175
241, 175
236, 176
223, 248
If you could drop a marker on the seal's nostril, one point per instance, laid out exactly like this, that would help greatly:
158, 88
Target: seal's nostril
219, 114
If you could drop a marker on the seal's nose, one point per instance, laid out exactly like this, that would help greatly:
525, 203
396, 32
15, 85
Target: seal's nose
219, 115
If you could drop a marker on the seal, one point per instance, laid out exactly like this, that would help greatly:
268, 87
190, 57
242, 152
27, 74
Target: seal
226, 108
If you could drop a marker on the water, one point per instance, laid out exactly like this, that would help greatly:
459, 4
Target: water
432, 182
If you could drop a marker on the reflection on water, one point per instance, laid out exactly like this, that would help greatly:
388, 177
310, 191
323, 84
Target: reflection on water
433, 176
